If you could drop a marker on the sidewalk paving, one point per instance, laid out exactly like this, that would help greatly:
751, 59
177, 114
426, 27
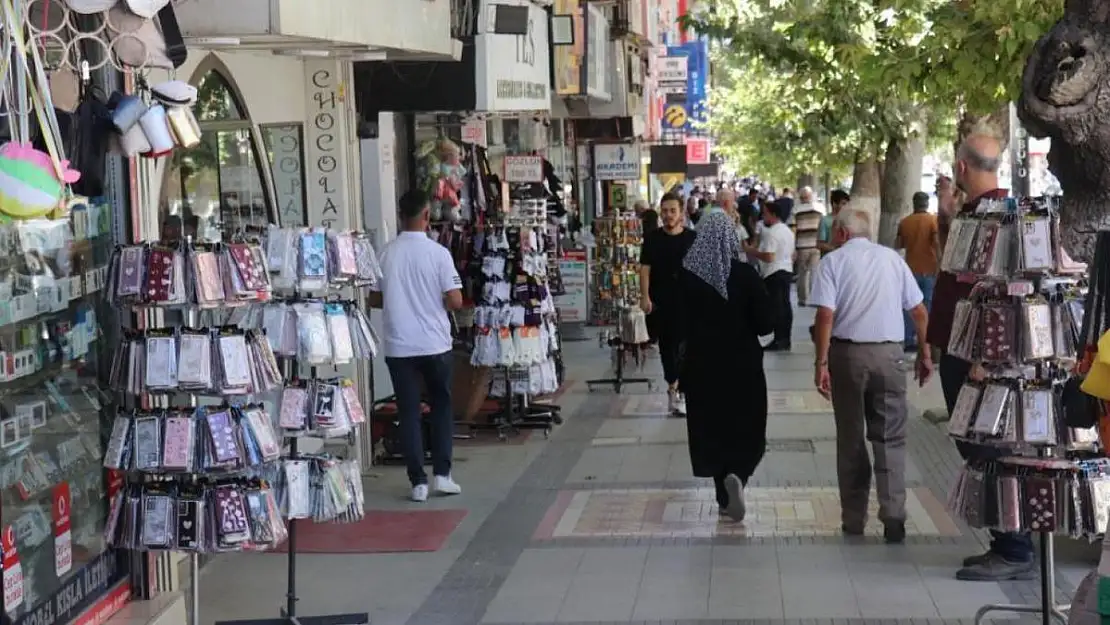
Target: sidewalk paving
604, 523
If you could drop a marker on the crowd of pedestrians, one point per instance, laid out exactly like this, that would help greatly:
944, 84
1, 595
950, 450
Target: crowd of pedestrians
718, 280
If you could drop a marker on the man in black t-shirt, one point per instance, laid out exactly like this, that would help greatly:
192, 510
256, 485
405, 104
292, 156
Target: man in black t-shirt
660, 262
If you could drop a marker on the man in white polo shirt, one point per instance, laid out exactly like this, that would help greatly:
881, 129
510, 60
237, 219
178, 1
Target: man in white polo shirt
775, 254
860, 291
419, 286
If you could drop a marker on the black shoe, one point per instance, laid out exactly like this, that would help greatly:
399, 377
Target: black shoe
995, 568
851, 530
894, 532
976, 560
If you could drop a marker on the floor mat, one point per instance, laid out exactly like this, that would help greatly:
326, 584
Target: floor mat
382, 531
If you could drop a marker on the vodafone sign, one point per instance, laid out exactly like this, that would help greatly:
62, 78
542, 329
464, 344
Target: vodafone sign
697, 151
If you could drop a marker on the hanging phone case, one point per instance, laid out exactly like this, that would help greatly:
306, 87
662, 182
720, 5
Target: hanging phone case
988, 418
964, 412
117, 442
1038, 417
130, 282
177, 449
1040, 504
231, 514
157, 510
221, 431
294, 408
190, 520
147, 445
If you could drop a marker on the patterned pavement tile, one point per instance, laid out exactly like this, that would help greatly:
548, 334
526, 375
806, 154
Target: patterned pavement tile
797, 402
775, 512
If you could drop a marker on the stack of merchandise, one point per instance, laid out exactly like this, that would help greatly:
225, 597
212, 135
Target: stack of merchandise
195, 472
617, 267
515, 325
1022, 327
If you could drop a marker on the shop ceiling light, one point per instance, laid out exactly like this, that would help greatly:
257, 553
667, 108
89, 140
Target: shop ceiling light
302, 52
210, 42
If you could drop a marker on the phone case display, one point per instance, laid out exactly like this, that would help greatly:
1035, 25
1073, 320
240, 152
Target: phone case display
308, 260
321, 489
319, 332
1016, 494
51, 275
322, 408
1019, 327
617, 267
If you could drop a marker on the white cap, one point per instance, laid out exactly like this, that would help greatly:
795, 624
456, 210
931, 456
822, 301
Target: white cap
88, 7
175, 93
146, 8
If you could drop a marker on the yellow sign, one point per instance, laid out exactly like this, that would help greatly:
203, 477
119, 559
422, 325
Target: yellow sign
675, 116
618, 196
568, 59
671, 181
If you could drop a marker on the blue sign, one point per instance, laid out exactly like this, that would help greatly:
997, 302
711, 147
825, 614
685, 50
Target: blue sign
697, 67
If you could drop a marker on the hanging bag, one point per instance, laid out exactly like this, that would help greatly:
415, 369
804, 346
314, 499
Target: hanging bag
142, 42
1095, 352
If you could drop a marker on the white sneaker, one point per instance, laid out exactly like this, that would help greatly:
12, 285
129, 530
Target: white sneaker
735, 488
680, 405
420, 493
447, 486
672, 401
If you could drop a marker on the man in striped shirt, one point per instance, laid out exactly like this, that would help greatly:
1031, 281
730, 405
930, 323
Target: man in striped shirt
807, 224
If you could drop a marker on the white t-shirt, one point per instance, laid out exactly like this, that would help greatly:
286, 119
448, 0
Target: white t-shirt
779, 240
417, 271
742, 234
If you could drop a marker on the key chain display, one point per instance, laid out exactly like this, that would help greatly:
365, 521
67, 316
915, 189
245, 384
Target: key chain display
1021, 327
617, 296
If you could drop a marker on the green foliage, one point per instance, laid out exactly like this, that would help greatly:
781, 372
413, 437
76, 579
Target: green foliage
832, 73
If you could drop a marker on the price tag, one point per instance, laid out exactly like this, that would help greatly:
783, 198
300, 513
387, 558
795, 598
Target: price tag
63, 537
13, 572
1021, 288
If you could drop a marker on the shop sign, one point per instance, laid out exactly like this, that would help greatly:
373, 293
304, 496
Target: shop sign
572, 303
103, 610
618, 196
13, 571
287, 169
326, 149
474, 132
63, 538
671, 69
512, 72
598, 54
617, 161
523, 169
675, 116
78, 593
567, 59
697, 151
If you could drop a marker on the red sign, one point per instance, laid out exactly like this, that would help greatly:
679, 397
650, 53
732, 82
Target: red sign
103, 610
63, 538
13, 572
697, 151
115, 483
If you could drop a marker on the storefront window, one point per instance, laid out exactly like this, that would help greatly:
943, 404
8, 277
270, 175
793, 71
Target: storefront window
216, 188
54, 417
285, 154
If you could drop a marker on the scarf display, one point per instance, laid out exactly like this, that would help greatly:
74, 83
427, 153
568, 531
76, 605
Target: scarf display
710, 257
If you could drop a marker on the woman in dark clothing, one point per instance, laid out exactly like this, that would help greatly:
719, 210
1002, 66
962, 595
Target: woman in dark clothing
726, 426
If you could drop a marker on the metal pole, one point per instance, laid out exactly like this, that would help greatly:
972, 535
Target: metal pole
291, 587
194, 572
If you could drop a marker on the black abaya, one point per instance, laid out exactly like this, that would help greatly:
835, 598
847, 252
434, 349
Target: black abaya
722, 374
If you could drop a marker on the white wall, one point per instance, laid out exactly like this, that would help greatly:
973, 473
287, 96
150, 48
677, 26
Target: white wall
272, 86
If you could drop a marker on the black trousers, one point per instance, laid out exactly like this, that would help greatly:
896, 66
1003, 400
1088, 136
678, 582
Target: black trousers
778, 287
670, 352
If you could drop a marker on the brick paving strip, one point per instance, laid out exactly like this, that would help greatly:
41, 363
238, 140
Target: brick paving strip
533, 515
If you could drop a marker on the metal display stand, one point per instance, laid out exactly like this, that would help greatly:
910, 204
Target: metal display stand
618, 381
1048, 608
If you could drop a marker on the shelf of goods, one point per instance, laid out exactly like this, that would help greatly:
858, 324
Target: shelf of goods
514, 329
1034, 466
211, 415
617, 295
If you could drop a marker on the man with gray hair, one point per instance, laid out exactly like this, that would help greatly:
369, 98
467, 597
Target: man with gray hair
860, 291
807, 225
1010, 556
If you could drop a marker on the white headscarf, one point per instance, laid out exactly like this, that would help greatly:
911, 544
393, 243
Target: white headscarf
710, 257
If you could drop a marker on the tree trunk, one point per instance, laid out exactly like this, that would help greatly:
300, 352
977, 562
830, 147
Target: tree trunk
866, 190
1064, 97
901, 179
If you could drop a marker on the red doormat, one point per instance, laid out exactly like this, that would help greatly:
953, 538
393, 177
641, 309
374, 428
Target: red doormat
382, 531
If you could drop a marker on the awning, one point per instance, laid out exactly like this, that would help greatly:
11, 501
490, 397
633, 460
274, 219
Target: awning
362, 30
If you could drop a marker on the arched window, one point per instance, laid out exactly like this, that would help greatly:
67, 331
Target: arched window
216, 188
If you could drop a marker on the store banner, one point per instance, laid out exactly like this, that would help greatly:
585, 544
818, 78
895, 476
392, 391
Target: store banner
84, 590
568, 59
617, 161
63, 537
523, 169
574, 269
13, 570
693, 100
512, 72
697, 151
474, 132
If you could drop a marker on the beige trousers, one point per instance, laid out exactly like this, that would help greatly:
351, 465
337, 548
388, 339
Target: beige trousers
805, 263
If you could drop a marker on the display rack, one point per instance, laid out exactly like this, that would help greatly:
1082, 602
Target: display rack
617, 297
321, 261
1020, 327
